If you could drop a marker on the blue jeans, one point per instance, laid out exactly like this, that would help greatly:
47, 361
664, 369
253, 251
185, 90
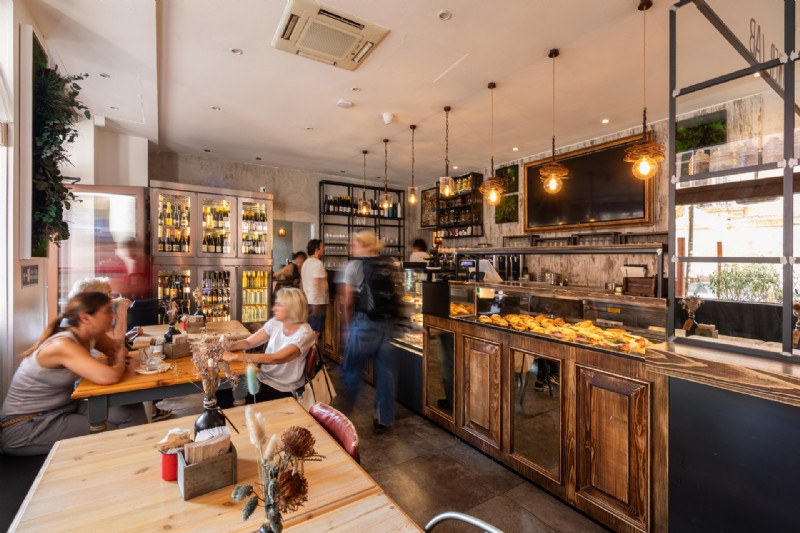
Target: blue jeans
369, 339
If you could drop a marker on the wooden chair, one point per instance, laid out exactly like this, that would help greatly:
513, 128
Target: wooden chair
338, 426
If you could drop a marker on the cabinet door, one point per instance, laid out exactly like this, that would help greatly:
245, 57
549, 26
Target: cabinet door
480, 366
612, 453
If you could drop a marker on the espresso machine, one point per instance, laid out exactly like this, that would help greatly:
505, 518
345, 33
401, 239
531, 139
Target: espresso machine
507, 265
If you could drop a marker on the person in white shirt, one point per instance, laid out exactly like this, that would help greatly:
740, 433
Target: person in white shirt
288, 339
315, 285
419, 251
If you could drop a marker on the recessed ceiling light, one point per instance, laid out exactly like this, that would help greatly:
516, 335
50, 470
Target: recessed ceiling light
347, 104
605, 121
258, 159
104, 75
757, 75
455, 167
114, 107
309, 129
445, 15
237, 51
216, 108
515, 149
356, 89
206, 150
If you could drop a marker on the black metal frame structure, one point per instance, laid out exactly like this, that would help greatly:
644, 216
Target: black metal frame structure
790, 108
377, 223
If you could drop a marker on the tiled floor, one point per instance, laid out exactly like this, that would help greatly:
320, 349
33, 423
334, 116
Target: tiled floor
427, 471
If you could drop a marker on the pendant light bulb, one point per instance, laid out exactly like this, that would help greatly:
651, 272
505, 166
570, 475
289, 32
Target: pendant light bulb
644, 155
446, 184
364, 207
553, 173
412, 191
492, 187
386, 198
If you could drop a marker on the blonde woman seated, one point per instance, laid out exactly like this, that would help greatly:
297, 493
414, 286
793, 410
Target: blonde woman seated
37, 410
288, 338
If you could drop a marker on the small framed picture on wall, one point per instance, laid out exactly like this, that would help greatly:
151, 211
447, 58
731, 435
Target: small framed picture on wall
428, 208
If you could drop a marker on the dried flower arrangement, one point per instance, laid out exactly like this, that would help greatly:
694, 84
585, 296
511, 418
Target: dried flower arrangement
283, 487
208, 363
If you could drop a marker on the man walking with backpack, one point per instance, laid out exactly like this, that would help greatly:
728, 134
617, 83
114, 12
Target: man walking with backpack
372, 303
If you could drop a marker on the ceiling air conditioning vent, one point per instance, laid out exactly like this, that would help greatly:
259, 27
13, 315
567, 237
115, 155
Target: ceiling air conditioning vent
309, 30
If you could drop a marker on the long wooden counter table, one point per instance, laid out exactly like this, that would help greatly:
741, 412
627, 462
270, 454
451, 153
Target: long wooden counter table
116, 477
180, 380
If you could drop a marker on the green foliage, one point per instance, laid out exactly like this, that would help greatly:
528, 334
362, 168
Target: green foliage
702, 131
56, 107
747, 283
507, 210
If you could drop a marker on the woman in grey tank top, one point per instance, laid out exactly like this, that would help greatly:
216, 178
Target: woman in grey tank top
37, 410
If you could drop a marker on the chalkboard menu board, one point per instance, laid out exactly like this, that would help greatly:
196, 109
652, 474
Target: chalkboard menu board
600, 191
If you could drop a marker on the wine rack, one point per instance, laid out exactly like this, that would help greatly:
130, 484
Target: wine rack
216, 295
174, 223
461, 214
255, 296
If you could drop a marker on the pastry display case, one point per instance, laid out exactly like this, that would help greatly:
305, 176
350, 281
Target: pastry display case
587, 317
413, 279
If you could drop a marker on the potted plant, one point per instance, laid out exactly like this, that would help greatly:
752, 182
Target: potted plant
55, 109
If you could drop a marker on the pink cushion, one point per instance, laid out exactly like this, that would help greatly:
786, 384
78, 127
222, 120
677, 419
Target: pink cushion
338, 426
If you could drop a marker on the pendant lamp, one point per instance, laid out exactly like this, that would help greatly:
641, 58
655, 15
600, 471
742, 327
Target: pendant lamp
412, 191
364, 207
647, 154
553, 173
386, 198
446, 184
492, 187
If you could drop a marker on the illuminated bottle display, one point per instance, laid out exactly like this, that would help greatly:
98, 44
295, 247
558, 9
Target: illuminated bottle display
217, 295
216, 222
174, 219
255, 296
255, 229
175, 285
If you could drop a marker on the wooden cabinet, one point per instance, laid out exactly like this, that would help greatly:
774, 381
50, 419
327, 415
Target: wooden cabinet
594, 436
612, 452
331, 343
480, 368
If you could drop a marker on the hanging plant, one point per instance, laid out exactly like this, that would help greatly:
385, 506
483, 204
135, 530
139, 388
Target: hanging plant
55, 109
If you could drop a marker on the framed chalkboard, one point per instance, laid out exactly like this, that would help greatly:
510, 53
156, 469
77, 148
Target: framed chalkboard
601, 191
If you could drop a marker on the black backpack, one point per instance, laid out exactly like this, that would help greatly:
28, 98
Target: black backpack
379, 297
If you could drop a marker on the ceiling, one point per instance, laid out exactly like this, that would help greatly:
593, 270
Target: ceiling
169, 63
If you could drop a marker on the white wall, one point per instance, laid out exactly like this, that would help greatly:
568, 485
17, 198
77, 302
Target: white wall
25, 310
119, 159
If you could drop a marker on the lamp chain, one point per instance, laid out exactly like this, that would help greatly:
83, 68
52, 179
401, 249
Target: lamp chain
413, 130
554, 108
386, 166
447, 142
491, 129
364, 190
644, 72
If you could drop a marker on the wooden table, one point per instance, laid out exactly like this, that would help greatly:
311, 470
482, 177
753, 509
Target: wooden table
112, 482
137, 388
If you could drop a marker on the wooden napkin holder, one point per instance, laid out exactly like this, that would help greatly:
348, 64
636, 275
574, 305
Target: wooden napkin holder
206, 476
176, 351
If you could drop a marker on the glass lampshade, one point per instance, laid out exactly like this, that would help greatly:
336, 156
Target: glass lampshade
364, 208
446, 186
552, 184
386, 200
412, 196
644, 168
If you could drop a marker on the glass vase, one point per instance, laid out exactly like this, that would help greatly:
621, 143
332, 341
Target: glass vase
211, 417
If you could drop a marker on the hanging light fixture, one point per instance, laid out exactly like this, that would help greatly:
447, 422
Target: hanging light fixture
364, 207
647, 154
412, 191
553, 173
446, 184
386, 198
492, 187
